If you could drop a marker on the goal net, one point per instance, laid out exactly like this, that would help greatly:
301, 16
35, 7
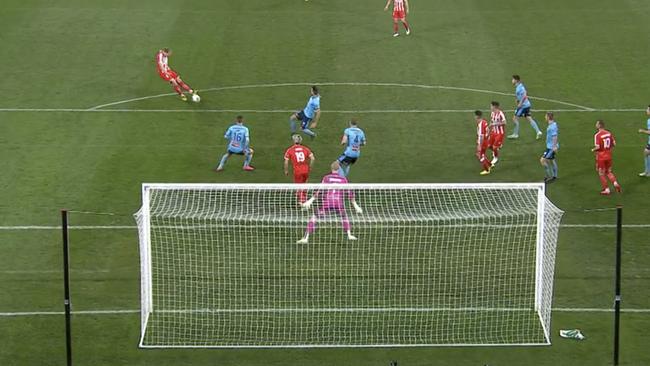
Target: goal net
432, 264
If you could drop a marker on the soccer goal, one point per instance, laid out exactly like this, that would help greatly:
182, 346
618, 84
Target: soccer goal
226, 265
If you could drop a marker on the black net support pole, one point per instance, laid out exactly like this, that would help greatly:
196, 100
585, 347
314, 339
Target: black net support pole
617, 294
66, 286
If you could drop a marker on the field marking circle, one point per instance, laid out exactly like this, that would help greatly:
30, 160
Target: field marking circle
398, 85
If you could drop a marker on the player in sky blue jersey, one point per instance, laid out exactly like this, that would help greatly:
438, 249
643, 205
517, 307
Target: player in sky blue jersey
646, 151
239, 141
309, 116
523, 108
353, 139
552, 145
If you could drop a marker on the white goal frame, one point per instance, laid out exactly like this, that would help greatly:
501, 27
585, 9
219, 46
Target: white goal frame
543, 285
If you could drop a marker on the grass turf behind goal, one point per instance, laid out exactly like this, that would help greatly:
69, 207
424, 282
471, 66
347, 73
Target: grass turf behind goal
434, 265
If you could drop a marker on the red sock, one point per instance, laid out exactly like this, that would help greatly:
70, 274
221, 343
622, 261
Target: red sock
603, 182
486, 165
185, 86
612, 178
395, 27
302, 196
406, 25
178, 89
495, 153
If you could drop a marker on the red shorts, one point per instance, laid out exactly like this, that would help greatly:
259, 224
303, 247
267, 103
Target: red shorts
605, 164
399, 14
495, 141
300, 177
169, 75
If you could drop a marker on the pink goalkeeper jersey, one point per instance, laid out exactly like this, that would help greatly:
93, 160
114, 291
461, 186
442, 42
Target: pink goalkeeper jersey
333, 198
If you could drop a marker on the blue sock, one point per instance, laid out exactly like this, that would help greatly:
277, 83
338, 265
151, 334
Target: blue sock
292, 125
534, 125
555, 169
647, 164
516, 130
342, 172
248, 159
548, 170
224, 158
347, 170
309, 132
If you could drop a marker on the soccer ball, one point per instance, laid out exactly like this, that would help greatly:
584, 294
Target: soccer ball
196, 98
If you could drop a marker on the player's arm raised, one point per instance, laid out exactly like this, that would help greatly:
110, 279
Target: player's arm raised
387, 4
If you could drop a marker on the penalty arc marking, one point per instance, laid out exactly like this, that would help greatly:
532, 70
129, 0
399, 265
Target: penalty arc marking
396, 85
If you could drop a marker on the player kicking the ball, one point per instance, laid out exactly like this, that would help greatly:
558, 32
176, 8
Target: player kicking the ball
400, 10
332, 203
171, 76
497, 131
482, 132
239, 141
604, 144
299, 155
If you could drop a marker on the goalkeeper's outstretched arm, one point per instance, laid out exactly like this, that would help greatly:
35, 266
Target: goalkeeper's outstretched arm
356, 206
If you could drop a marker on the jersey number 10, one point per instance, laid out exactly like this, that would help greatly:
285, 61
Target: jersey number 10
607, 143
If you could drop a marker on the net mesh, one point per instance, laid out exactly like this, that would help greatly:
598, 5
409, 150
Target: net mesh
433, 265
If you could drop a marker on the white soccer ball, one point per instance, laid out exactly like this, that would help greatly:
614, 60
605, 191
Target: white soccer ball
196, 98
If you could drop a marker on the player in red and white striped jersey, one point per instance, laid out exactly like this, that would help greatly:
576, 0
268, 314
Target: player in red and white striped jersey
497, 131
482, 134
400, 10
171, 76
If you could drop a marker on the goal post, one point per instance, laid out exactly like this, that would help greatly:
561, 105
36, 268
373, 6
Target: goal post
365, 265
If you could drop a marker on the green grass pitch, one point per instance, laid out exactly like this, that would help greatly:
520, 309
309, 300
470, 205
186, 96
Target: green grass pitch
587, 59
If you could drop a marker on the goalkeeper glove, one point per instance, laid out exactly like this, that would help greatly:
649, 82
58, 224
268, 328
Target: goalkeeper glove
357, 207
307, 204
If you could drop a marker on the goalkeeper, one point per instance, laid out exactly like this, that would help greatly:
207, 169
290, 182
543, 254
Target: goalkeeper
332, 202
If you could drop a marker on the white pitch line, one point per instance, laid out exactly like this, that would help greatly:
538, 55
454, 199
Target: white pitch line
271, 111
81, 312
127, 227
134, 311
21, 272
397, 85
